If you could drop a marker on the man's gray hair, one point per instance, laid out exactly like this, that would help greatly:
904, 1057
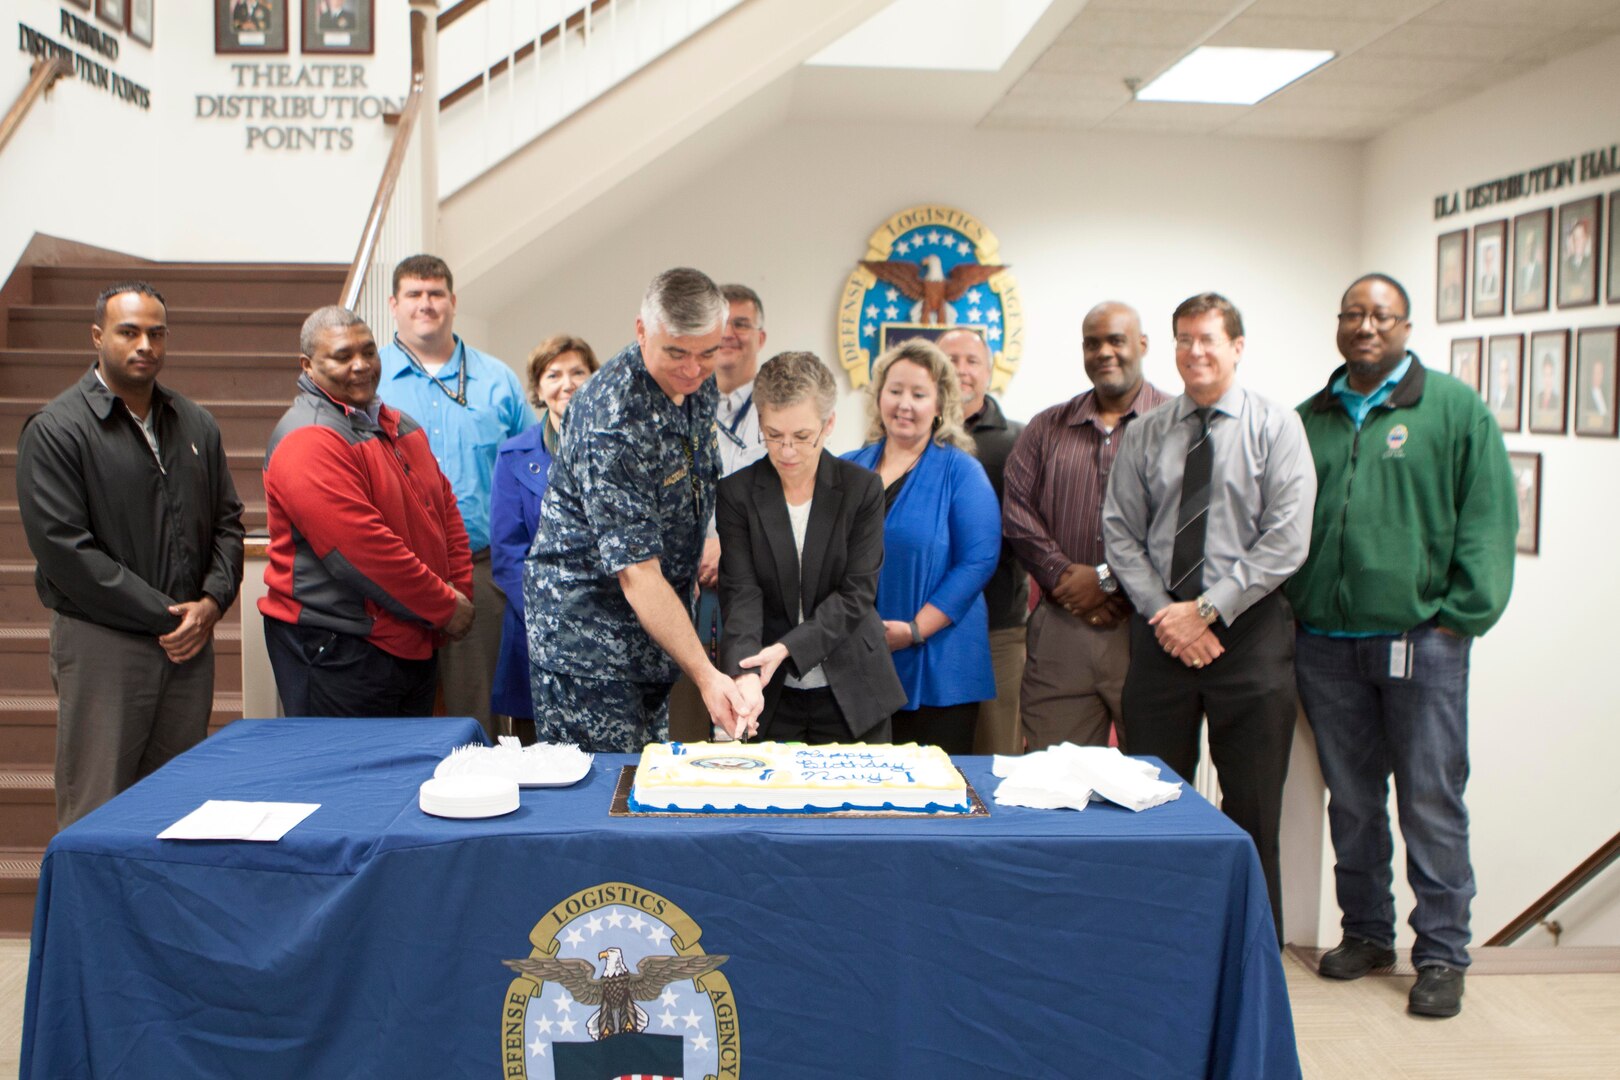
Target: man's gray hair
331, 317
683, 302
791, 377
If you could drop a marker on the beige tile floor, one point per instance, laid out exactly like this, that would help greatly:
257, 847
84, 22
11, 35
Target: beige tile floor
1513, 1027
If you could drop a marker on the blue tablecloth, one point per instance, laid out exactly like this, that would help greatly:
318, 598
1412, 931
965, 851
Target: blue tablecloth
370, 940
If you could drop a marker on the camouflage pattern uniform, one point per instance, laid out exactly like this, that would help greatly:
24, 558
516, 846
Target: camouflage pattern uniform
634, 480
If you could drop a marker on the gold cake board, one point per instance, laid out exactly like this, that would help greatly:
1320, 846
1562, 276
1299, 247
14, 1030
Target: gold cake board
627, 778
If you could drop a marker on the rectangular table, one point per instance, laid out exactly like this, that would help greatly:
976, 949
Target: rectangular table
370, 941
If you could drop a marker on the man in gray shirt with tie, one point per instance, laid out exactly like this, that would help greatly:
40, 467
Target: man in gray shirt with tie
1208, 513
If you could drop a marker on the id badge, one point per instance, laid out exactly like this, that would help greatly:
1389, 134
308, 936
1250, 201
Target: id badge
1400, 658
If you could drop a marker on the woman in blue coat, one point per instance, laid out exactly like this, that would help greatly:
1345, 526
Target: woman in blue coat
557, 368
941, 540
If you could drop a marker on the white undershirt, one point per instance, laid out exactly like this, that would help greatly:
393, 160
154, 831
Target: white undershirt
148, 423
799, 518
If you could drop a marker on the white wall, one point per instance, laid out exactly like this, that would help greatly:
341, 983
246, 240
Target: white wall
1145, 219
163, 184
1543, 702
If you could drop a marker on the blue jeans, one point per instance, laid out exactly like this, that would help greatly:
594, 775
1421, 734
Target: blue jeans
1368, 725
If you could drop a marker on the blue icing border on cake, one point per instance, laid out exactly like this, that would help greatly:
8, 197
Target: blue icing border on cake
637, 806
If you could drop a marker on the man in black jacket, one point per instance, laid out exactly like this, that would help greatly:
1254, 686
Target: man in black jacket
132, 517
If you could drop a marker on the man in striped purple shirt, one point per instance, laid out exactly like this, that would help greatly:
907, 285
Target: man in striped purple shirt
1056, 477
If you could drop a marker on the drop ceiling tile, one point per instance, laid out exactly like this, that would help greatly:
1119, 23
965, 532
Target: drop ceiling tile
1340, 35
1516, 12
1169, 117
1421, 41
1339, 97
1388, 10
1063, 59
1348, 129
1092, 85
1362, 68
1136, 28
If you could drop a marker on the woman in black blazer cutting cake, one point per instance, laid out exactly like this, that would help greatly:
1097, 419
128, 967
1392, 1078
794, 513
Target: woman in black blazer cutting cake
801, 544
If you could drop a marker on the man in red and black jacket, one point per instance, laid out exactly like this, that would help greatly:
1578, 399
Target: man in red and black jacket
369, 566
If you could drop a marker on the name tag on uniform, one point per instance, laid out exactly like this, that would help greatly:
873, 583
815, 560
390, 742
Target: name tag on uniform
675, 477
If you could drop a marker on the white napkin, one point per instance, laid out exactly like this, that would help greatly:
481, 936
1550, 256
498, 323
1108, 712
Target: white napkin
224, 819
1067, 776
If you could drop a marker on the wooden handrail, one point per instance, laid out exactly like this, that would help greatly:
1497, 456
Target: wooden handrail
45, 72
1573, 881
372, 233
524, 51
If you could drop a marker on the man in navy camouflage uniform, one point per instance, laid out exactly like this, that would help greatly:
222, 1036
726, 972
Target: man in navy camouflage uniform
609, 586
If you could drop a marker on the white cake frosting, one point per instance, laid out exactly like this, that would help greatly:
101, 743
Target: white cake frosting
794, 778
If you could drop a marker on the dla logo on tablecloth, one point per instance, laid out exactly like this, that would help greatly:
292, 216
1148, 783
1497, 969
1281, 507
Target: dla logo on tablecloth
927, 270
617, 986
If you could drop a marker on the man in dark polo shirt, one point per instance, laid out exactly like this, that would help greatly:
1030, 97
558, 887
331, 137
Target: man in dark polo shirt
130, 512
1007, 595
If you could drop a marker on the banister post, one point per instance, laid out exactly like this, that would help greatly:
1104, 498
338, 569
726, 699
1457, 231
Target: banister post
425, 65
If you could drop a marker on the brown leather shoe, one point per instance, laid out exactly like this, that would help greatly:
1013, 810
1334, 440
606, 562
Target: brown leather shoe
1437, 992
1353, 958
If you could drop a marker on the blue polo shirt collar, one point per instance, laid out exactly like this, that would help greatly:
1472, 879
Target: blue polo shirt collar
1360, 406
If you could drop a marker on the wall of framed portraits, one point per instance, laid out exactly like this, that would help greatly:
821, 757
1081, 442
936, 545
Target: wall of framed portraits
178, 180
1522, 301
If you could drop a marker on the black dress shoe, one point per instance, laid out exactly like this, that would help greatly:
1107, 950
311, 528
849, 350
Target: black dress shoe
1353, 958
1437, 992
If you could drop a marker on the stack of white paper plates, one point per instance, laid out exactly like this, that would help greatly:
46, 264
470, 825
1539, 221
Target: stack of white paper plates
472, 796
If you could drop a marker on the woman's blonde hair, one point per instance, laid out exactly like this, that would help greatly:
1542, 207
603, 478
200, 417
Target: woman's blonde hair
948, 427
546, 353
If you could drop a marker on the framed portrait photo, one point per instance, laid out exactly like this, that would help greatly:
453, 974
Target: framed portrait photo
82, 5
1526, 468
140, 21
1451, 277
112, 12
1505, 383
1578, 233
250, 26
1465, 359
1531, 235
1613, 291
1490, 269
338, 26
1549, 382
1596, 349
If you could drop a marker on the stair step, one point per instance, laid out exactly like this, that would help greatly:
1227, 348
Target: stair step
197, 285
244, 425
25, 666
228, 374
28, 805
14, 543
28, 727
247, 471
44, 326
19, 883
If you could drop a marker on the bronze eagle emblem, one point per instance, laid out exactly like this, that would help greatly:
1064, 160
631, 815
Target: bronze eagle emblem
928, 284
618, 989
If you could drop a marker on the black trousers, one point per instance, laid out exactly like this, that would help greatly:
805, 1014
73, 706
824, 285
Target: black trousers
813, 716
949, 727
324, 673
1249, 697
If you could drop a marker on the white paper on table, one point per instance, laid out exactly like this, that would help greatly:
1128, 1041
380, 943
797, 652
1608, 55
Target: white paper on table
225, 819
1068, 777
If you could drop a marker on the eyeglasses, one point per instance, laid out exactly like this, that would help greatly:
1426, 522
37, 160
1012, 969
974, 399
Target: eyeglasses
789, 442
1381, 320
1209, 341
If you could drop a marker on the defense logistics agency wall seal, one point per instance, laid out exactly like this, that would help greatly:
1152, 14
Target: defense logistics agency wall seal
927, 270
617, 985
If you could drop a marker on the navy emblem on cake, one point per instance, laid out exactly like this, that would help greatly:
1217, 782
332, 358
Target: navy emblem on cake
617, 985
927, 270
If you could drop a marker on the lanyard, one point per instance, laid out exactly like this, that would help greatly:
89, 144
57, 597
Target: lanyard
730, 430
460, 396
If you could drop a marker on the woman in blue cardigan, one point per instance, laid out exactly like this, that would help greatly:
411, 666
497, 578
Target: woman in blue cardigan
941, 540
557, 368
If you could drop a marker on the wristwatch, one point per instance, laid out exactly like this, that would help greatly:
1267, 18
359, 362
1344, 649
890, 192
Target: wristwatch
1106, 581
1206, 610
916, 633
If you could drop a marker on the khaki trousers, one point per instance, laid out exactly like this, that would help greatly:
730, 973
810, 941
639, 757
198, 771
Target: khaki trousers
123, 710
998, 731
1073, 679
467, 667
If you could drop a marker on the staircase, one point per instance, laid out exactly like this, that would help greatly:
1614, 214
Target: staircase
233, 349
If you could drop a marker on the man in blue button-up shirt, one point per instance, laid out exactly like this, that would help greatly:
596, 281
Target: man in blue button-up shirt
469, 403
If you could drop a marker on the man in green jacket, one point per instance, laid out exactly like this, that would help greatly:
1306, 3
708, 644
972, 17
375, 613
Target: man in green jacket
1411, 558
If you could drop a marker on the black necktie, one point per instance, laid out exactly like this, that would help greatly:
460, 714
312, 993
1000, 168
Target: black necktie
1187, 556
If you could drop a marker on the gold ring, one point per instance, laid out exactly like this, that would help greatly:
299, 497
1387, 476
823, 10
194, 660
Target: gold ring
1198, 663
